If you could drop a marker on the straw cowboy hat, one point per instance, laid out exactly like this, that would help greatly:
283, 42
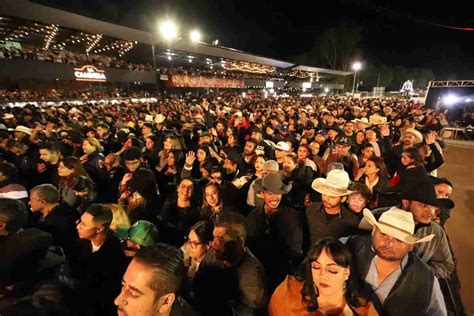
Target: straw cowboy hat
272, 183
335, 184
398, 224
159, 118
414, 132
23, 129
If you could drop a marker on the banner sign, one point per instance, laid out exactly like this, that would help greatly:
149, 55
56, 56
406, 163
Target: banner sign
89, 73
204, 82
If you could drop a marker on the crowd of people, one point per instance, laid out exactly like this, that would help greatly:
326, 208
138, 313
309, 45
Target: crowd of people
216, 71
69, 93
222, 205
62, 56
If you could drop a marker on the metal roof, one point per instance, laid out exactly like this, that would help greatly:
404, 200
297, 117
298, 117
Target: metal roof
322, 70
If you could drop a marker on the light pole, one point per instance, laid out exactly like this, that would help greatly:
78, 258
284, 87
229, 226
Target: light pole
356, 66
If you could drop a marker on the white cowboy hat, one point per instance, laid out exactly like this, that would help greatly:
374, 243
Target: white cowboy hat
398, 224
362, 120
283, 146
159, 118
148, 118
377, 120
8, 116
335, 184
23, 129
414, 132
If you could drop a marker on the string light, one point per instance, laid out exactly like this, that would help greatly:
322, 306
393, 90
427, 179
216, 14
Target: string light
248, 67
96, 39
53, 30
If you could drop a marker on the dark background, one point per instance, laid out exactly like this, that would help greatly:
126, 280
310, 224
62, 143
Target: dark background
396, 33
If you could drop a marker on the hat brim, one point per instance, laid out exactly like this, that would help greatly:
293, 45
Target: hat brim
260, 188
393, 231
418, 136
320, 185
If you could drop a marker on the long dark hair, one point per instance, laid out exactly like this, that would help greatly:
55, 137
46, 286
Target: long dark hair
203, 230
341, 255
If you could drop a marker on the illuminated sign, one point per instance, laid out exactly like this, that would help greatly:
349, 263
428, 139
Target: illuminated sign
306, 85
89, 73
269, 84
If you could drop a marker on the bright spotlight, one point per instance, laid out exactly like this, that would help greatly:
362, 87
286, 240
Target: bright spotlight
168, 30
468, 100
195, 36
356, 66
326, 90
450, 99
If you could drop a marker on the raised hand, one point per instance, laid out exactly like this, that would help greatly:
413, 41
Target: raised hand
430, 138
190, 157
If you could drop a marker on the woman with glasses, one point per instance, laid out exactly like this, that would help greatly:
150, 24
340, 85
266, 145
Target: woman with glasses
179, 212
197, 243
323, 286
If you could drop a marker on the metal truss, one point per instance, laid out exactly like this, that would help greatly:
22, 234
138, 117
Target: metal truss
453, 83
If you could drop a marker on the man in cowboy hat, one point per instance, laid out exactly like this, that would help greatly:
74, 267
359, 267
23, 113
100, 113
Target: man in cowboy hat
330, 218
274, 230
390, 274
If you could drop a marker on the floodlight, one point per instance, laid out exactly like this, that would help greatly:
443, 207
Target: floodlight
450, 99
195, 36
168, 30
326, 90
356, 66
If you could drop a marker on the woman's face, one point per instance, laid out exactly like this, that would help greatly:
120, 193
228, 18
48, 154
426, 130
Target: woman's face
167, 144
201, 155
64, 171
302, 152
357, 202
368, 152
360, 137
149, 143
87, 147
406, 159
370, 134
328, 276
128, 143
259, 163
231, 140
195, 248
171, 160
371, 168
211, 195
228, 132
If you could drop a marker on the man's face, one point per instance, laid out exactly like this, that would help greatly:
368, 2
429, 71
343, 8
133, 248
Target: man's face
130, 248
408, 139
320, 138
342, 150
332, 134
422, 213
220, 239
136, 297
249, 148
35, 203
216, 177
288, 164
219, 127
87, 229
229, 166
443, 191
280, 153
101, 131
331, 201
272, 201
388, 247
185, 190
349, 128
48, 156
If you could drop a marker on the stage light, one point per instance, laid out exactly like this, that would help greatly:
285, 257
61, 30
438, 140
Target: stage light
450, 99
169, 30
468, 100
326, 90
169, 58
195, 36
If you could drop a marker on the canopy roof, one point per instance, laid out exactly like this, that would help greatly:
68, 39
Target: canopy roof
322, 70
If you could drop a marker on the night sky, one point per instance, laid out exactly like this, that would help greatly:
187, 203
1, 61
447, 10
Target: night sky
396, 33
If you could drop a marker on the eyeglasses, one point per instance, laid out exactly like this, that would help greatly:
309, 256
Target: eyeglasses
192, 243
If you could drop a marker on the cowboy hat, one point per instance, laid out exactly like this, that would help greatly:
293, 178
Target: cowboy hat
335, 184
283, 146
362, 120
148, 118
424, 192
377, 120
414, 132
272, 183
159, 118
398, 224
23, 129
8, 116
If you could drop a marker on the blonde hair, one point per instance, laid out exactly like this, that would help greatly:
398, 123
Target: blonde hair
95, 142
120, 216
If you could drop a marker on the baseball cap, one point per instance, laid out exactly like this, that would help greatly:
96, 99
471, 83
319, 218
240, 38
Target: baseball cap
284, 128
142, 232
346, 141
283, 146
